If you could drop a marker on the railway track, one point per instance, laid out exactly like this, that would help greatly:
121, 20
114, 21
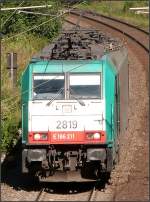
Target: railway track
39, 194
92, 196
139, 36
88, 191
45, 195
117, 20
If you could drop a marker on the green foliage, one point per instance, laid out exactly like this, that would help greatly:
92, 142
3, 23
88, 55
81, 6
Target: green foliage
127, 5
25, 45
120, 9
10, 125
23, 21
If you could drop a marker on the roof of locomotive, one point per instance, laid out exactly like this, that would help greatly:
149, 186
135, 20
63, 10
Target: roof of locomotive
79, 45
61, 66
115, 59
84, 51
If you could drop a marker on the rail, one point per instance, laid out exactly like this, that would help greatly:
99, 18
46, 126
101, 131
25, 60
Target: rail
39, 194
92, 196
86, 16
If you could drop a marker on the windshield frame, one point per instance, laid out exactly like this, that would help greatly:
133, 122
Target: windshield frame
68, 81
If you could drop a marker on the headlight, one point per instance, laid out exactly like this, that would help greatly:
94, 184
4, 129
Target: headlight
93, 136
40, 136
37, 136
96, 135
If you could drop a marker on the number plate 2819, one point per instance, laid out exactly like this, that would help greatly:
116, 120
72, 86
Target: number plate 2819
66, 124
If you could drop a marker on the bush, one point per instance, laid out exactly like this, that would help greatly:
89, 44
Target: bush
22, 21
25, 45
10, 125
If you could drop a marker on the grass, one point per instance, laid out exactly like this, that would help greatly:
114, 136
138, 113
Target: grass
120, 9
25, 46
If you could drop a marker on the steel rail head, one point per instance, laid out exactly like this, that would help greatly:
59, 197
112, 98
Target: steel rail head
111, 18
39, 194
92, 196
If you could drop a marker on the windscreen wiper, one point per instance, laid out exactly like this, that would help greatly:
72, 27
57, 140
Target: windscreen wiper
53, 98
79, 100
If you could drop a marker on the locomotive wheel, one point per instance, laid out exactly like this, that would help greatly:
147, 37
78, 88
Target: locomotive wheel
28, 178
105, 176
90, 170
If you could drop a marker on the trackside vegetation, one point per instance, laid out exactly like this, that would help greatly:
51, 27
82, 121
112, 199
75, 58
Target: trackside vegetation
17, 37
120, 10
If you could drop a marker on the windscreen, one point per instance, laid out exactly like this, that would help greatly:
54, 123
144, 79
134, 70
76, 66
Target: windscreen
48, 87
85, 86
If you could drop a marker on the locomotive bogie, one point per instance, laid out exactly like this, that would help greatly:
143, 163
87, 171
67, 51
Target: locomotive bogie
53, 160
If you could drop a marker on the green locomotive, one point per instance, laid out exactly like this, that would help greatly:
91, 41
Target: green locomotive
73, 112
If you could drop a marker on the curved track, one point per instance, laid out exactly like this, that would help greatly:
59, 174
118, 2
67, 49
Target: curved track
140, 36
117, 20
